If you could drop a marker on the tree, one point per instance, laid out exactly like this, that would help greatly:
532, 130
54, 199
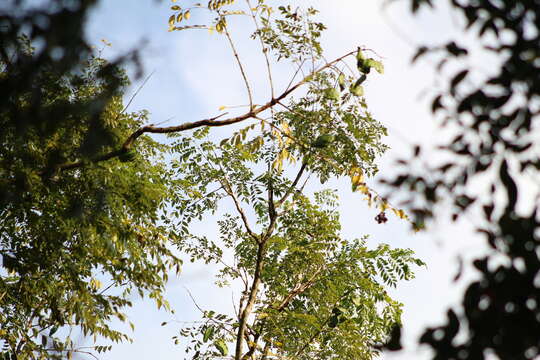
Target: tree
61, 230
86, 196
494, 117
305, 291
56, 102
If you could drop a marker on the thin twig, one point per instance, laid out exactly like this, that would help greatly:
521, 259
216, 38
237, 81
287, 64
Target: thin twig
241, 66
264, 50
137, 91
293, 185
296, 73
193, 299
231, 193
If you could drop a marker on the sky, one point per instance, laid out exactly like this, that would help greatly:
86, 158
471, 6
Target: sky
193, 74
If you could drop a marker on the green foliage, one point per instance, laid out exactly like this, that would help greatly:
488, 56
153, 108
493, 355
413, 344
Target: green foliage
293, 35
83, 195
67, 235
317, 288
323, 141
306, 291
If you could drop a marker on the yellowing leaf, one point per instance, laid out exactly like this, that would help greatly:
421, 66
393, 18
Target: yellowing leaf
357, 179
363, 189
222, 107
262, 316
369, 199
285, 128
95, 284
400, 213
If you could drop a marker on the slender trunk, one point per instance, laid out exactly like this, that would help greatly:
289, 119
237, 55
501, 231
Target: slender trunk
250, 301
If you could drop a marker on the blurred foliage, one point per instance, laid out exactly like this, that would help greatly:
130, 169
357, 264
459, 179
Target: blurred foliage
68, 236
56, 30
491, 177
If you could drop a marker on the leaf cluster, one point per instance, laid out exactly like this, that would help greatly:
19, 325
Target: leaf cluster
316, 288
64, 233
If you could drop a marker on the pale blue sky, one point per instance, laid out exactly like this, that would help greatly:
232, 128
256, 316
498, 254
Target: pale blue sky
194, 74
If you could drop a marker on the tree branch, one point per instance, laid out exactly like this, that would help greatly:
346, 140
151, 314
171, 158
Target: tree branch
299, 289
264, 50
242, 71
228, 190
210, 122
293, 185
250, 302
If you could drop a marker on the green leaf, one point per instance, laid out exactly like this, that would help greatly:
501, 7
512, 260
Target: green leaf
208, 332
332, 94
377, 65
323, 141
222, 347
341, 81
356, 90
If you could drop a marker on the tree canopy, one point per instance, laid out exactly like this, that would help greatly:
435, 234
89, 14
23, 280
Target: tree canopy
61, 229
91, 206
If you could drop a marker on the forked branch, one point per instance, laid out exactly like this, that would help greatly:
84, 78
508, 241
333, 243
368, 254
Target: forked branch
210, 122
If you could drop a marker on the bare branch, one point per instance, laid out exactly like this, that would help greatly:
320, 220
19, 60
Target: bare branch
296, 73
211, 122
193, 299
271, 207
229, 190
293, 185
137, 92
264, 50
242, 71
298, 289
